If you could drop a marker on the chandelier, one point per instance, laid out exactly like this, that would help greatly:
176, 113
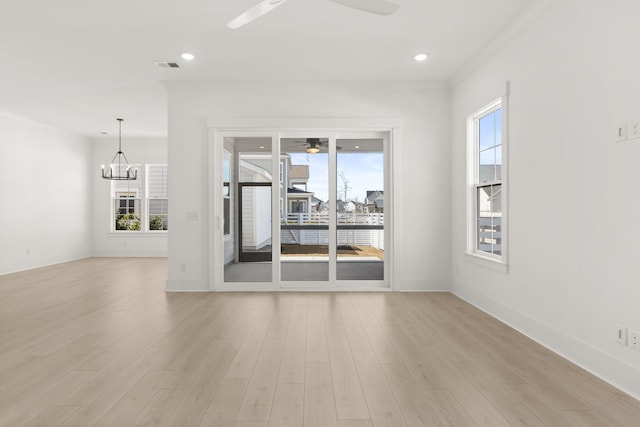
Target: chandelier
119, 168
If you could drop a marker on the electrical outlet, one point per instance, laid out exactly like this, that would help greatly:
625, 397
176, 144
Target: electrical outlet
634, 340
622, 335
183, 267
633, 129
621, 132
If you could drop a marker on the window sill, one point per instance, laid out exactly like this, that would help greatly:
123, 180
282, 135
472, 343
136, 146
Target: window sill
137, 233
486, 262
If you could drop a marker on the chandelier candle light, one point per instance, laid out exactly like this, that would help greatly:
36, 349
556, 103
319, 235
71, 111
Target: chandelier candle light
123, 170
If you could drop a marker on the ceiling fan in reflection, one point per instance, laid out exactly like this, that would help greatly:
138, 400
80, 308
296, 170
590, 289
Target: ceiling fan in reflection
379, 7
314, 144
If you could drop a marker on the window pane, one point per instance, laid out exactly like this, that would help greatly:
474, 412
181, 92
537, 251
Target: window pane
487, 135
489, 222
487, 170
255, 167
157, 181
127, 203
484, 201
304, 224
360, 210
498, 126
127, 217
158, 214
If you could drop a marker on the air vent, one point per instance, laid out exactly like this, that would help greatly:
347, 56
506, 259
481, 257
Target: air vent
163, 64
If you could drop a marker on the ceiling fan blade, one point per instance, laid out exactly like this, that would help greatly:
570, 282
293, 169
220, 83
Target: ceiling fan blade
379, 7
254, 12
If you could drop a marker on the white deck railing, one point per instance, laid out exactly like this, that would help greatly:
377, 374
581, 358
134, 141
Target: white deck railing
322, 218
357, 231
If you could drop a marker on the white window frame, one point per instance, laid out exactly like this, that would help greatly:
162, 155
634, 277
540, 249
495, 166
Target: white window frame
140, 188
500, 262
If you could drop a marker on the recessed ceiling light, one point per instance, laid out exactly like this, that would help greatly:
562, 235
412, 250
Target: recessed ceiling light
262, 147
187, 56
421, 57
357, 146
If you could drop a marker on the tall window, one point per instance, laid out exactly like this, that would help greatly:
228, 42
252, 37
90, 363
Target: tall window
129, 211
486, 195
157, 198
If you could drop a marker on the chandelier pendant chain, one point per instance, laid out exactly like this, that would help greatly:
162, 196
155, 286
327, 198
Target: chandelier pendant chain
129, 174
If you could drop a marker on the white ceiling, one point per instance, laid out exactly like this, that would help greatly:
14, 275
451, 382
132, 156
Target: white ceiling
79, 64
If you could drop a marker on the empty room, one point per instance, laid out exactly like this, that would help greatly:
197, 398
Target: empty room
319, 213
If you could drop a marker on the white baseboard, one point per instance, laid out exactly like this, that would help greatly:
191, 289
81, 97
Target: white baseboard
427, 285
130, 253
606, 367
29, 264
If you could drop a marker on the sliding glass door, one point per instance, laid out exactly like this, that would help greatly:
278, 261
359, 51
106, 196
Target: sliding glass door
303, 210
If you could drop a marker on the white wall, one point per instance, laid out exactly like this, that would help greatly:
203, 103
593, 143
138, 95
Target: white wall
106, 242
256, 217
574, 193
44, 195
422, 234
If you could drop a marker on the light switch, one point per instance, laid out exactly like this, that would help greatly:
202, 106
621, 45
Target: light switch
633, 129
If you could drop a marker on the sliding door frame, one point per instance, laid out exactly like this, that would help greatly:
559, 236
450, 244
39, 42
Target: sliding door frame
277, 128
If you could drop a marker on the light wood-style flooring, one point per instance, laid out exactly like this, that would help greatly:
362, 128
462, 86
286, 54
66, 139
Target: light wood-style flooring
98, 342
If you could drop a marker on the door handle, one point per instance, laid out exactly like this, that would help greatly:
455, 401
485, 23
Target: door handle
220, 222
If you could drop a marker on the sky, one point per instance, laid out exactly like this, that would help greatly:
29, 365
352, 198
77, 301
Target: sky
363, 171
490, 145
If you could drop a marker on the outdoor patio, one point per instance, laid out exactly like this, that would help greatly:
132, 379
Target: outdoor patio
302, 269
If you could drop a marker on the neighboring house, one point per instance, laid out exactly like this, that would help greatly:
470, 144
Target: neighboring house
374, 202
344, 207
299, 201
298, 175
295, 178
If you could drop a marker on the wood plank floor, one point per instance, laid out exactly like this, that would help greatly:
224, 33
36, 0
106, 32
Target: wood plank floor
98, 342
